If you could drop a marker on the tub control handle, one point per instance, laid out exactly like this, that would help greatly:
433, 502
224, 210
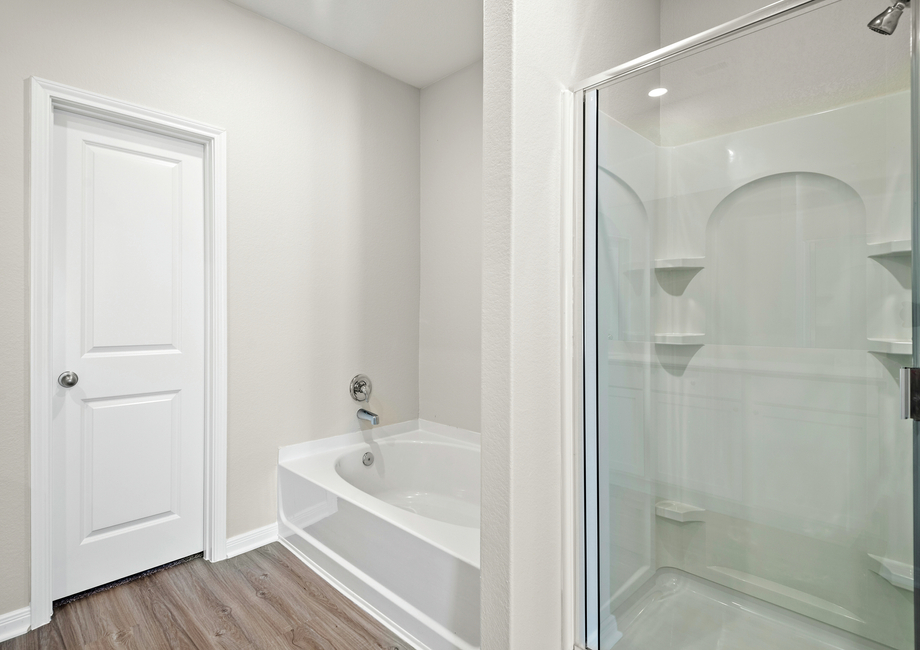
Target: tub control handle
360, 388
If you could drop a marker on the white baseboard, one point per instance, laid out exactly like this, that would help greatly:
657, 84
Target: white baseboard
252, 540
15, 623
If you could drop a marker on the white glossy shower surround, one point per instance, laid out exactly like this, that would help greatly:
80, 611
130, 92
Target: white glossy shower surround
401, 536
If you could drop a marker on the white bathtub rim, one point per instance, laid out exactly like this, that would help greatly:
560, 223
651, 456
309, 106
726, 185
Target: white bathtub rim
316, 463
400, 602
375, 434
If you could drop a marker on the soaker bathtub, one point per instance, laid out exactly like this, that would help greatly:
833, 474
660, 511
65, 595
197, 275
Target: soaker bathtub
399, 536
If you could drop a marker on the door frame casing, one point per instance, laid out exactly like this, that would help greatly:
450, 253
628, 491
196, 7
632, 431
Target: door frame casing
45, 98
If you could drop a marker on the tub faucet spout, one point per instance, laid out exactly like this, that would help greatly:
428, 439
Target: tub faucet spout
364, 414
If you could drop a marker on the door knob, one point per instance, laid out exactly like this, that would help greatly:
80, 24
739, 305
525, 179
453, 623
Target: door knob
68, 379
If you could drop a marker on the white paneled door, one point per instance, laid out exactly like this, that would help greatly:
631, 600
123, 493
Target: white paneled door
128, 436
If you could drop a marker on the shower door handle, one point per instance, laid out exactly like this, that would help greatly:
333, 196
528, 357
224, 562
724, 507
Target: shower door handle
910, 393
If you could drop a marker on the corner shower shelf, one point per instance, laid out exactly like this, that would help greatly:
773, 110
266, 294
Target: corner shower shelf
680, 264
891, 346
678, 339
899, 574
680, 512
896, 248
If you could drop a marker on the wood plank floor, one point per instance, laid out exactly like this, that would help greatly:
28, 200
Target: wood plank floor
263, 599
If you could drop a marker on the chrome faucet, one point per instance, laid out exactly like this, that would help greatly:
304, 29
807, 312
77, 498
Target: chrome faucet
364, 414
360, 391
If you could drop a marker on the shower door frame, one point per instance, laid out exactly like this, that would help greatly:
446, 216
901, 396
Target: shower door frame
589, 463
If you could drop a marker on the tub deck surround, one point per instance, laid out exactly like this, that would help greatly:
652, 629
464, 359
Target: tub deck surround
400, 535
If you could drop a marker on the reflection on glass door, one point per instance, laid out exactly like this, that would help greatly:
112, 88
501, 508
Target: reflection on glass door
748, 308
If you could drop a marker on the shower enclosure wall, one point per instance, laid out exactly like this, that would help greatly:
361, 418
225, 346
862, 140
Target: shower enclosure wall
748, 277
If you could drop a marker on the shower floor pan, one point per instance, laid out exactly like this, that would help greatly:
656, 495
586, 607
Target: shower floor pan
678, 611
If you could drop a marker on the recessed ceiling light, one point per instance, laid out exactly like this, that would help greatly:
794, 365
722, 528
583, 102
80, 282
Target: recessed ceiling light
658, 92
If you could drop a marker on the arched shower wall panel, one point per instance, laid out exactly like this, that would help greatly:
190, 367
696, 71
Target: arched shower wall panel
682, 187
787, 265
875, 163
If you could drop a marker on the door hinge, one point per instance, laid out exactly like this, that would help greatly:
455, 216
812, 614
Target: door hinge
910, 393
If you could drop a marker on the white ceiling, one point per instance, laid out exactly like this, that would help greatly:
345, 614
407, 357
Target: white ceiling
416, 41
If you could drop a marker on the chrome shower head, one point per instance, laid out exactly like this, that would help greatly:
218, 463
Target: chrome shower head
886, 22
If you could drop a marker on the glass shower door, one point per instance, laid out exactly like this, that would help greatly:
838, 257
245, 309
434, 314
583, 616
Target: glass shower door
748, 307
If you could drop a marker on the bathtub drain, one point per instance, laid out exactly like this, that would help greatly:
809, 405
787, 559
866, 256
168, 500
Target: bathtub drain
368, 459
